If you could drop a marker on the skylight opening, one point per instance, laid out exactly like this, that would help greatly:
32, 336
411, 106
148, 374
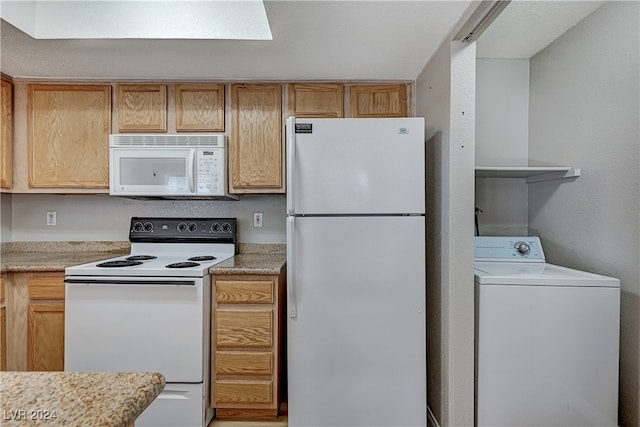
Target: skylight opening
139, 19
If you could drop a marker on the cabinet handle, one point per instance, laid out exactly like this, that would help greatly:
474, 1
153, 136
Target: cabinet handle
173, 395
291, 296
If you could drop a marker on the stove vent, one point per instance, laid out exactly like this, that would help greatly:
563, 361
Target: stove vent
164, 140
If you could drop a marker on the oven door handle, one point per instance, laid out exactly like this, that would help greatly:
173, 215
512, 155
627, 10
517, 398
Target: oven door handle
129, 282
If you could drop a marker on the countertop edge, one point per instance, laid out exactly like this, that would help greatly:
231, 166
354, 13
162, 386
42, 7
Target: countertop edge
79, 398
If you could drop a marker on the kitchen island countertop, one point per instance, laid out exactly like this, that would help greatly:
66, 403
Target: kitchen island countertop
76, 398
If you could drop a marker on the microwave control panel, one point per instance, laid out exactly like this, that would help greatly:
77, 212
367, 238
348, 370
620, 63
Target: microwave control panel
211, 170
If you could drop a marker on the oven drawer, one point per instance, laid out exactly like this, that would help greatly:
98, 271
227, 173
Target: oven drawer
177, 405
244, 328
244, 363
244, 291
243, 392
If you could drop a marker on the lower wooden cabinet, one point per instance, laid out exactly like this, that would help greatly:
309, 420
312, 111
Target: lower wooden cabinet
3, 327
34, 321
247, 345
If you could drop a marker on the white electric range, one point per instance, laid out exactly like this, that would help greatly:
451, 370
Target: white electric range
150, 311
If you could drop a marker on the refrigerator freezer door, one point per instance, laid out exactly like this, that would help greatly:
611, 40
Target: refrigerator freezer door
356, 344
356, 166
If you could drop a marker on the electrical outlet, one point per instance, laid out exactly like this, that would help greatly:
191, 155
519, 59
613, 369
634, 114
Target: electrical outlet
51, 217
257, 219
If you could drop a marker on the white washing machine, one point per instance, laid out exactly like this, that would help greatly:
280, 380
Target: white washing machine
547, 339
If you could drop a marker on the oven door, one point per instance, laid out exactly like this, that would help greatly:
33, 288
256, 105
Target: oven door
138, 324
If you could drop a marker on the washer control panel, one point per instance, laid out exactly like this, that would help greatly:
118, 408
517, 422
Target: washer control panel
508, 248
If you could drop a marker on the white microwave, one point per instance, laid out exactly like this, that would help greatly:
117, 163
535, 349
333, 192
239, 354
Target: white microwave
162, 165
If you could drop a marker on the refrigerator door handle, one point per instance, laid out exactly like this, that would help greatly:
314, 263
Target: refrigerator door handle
291, 296
291, 135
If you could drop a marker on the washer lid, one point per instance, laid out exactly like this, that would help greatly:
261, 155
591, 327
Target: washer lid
537, 274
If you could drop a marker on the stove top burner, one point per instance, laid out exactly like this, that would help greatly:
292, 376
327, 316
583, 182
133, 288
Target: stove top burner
119, 263
202, 258
182, 265
141, 257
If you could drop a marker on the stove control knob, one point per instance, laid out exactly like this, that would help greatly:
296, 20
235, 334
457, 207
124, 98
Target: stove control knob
215, 228
182, 227
137, 226
148, 226
522, 248
192, 227
226, 228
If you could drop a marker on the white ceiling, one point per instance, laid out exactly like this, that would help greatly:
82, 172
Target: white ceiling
312, 40
526, 27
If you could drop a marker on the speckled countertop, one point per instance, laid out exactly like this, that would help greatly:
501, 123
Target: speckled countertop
251, 264
76, 398
254, 258
56, 256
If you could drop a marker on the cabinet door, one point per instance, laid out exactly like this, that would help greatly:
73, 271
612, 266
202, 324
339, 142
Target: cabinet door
68, 135
379, 101
46, 337
257, 148
6, 134
45, 343
316, 100
200, 107
142, 108
3, 328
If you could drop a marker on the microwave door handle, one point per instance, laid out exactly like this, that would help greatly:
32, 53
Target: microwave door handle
191, 171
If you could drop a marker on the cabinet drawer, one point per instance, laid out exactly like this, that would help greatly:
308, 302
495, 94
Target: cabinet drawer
41, 288
244, 291
243, 363
243, 391
244, 328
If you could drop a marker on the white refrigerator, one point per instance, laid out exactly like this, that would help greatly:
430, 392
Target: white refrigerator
356, 273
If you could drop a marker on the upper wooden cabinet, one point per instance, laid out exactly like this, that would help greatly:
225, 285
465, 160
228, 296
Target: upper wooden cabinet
68, 135
142, 108
199, 107
379, 100
257, 147
6, 137
316, 100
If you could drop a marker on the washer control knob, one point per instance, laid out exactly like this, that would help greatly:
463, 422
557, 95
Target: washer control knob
522, 248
